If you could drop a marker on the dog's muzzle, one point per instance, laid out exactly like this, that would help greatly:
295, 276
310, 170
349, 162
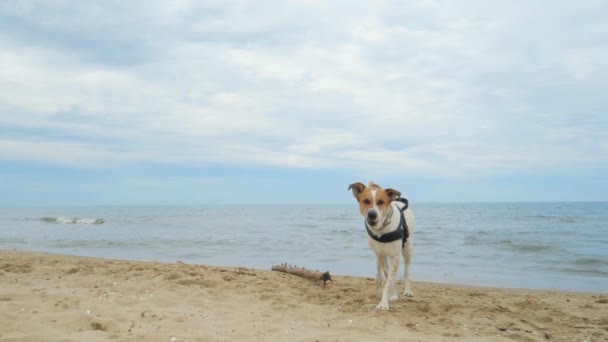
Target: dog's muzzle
372, 217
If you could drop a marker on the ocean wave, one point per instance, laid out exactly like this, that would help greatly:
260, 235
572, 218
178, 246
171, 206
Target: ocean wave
304, 225
590, 262
72, 220
526, 247
579, 271
9, 240
475, 240
514, 246
75, 243
342, 218
341, 231
554, 218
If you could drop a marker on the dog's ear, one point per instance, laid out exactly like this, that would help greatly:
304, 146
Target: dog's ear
357, 189
392, 193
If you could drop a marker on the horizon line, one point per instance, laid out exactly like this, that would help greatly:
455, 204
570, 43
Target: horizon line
19, 206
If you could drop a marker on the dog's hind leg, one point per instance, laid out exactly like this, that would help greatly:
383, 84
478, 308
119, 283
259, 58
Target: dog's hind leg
407, 258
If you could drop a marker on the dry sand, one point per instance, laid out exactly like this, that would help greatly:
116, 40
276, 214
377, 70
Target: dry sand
45, 297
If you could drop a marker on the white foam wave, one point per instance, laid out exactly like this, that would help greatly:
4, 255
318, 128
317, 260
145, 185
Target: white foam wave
72, 220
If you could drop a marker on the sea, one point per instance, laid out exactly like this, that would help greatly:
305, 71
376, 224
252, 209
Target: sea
561, 246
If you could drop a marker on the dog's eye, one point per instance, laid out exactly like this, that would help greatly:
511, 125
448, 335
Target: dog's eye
367, 202
380, 202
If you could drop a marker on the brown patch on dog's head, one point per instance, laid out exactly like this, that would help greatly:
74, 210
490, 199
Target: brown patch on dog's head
374, 202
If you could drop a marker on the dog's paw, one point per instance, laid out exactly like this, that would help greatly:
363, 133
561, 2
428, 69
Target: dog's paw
394, 296
408, 293
382, 306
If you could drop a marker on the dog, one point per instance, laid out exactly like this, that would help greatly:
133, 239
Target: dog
384, 216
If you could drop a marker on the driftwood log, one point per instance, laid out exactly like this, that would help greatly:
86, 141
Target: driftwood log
303, 272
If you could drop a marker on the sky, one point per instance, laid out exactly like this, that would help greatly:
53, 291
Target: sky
269, 102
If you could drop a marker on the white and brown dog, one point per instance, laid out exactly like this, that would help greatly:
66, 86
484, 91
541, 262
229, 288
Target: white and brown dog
388, 223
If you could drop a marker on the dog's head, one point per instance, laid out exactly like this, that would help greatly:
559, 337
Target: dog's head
374, 202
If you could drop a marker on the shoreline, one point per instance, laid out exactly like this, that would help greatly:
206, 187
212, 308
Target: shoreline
399, 279
46, 296
399, 275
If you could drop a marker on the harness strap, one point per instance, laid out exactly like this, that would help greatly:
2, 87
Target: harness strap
406, 231
401, 233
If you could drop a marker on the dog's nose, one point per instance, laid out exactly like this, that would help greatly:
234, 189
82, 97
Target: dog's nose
372, 215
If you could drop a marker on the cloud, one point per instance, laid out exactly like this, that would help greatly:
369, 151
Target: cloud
447, 89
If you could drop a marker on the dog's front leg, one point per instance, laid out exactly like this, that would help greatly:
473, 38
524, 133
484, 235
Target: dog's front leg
389, 283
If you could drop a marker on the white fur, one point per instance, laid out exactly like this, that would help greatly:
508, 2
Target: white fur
388, 254
374, 204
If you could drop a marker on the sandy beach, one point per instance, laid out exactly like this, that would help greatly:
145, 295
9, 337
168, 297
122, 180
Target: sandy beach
47, 297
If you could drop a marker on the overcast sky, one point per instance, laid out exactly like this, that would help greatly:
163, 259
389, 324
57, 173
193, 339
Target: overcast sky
214, 102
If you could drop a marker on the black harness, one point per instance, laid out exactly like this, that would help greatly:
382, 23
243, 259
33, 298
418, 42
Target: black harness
401, 233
